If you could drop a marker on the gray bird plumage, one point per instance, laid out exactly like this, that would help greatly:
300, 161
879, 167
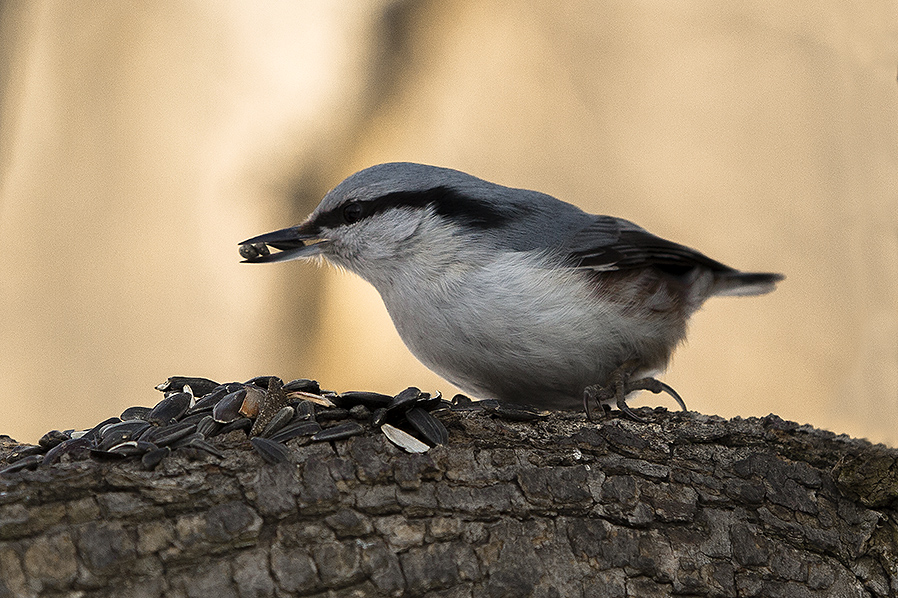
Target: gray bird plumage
509, 293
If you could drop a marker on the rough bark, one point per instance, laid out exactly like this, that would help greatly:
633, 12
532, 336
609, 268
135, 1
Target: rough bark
683, 505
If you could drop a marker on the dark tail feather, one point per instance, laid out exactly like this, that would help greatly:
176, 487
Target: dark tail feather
745, 283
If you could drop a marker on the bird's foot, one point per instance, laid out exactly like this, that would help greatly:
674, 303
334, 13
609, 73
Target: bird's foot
620, 385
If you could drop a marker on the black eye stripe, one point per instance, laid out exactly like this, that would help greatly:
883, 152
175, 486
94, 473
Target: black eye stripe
445, 201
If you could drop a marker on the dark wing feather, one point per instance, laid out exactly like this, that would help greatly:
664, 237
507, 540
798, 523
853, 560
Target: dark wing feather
609, 244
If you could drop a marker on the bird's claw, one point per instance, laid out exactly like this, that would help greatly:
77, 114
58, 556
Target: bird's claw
619, 386
598, 394
655, 386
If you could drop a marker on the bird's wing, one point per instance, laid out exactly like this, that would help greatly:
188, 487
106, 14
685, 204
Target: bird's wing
609, 244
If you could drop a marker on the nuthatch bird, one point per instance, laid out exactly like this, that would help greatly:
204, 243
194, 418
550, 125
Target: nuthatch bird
508, 293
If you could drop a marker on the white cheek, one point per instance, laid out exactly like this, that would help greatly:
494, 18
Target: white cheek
384, 235
379, 238
397, 225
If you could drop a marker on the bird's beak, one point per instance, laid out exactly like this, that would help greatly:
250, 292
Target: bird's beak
292, 243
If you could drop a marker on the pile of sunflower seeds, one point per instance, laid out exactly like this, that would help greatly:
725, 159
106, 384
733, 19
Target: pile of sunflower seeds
196, 410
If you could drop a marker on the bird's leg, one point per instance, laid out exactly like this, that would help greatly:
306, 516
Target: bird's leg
620, 385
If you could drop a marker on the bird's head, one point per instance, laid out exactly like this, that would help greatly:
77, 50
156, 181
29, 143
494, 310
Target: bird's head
391, 214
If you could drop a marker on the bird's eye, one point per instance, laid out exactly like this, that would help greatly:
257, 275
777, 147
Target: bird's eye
352, 212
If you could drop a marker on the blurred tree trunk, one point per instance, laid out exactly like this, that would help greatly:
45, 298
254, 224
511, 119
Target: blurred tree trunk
686, 504
137, 147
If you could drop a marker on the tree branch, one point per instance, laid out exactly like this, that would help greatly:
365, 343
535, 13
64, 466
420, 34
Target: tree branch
685, 504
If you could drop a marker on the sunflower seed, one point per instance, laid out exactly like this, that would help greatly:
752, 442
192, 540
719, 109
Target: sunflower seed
303, 385
304, 409
200, 386
429, 427
135, 413
404, 440
272, 452
338, 432
461, 402
430, 402
371, 400
360, 412
25, 450
154, 457
314, 398
263, 381
296, 428
208, 427
280, 419
52, 438
243, 423
115, 437
203, 445
332, 414
252, 402
29, 462
404, 399
378, 417
228, 408
186, 440
134, 427
166, 435
253, 251
76, 448
194, 418
210, 399
170, 408
94, 432
133, 448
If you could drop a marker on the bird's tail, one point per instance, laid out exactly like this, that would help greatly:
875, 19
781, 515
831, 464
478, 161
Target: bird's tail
744, 283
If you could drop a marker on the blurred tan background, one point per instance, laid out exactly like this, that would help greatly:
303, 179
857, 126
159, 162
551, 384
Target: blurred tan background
139, 142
